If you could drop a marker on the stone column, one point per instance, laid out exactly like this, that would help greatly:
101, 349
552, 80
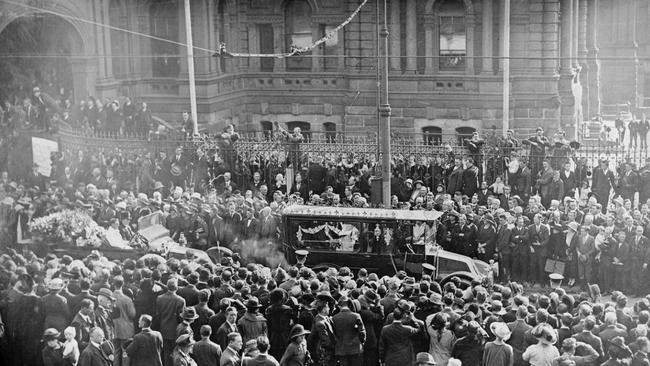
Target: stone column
395, 36
593, 63
182, 38
488, 27
430, 64
201, 36
278, 46
566, 48
253, 47
469, 60
316, 60
411, 36
100, 15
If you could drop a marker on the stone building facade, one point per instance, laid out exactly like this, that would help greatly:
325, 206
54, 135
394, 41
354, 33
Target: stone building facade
445, 60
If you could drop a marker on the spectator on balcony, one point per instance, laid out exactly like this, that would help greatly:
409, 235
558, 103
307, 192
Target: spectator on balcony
470, 178
144, 122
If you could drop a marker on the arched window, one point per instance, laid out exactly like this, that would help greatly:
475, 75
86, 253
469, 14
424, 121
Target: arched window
267, 129
453, 36
464, 133
164, 24
297, 17
305, 129
432, 135
330, 131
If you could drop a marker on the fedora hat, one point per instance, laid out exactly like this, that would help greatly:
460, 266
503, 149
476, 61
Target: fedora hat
55, 284
324, 296
500, 330
497, 308
297, 331
424, 358
106, 293
371, 296
158, 185
189, 314
253, 303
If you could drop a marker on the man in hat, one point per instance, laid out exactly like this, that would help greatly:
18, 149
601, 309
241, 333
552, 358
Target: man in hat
95, 354
252, 324
350, 334
168, 306
146, 347
53, 351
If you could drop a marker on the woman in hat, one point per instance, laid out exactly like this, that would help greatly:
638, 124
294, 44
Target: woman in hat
322, 340
618, 352
181, 353
296, 353
498, 352
544, 352
53, 351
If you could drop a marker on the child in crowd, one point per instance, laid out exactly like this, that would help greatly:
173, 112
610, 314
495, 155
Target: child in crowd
70, 347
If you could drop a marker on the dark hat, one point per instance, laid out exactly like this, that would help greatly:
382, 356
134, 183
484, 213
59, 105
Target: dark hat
253, 303
189, 314
297, 331
371, 296
184, 340
106, 293
574, 145
50, 334
623, 350
324, 296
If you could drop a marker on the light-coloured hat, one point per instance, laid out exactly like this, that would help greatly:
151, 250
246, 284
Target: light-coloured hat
55, 284
500, 330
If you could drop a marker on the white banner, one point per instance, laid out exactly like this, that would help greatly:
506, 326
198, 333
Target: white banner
41, 150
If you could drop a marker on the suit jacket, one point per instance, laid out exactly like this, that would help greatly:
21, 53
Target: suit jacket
123, 323
349, 332
190, 294
570, 181
146, 349
303, 191
470, 181
628, 184
221, 335
229, 358
260, 360
168, 306
519, 338
589, 338
93, 356
250, 228
206, 353
396, 344
321, 336
56, 311
503, 240
455, 182
609, 333
540, 236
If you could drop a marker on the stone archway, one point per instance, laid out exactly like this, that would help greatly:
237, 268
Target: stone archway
43, 49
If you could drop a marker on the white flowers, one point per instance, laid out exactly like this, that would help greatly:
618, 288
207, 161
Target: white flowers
68, 226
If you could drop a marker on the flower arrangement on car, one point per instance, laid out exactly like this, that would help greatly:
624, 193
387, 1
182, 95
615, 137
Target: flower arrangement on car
69, 227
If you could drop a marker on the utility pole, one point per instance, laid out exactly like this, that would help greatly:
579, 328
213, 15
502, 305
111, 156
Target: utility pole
190, 67
384, 116
506, 67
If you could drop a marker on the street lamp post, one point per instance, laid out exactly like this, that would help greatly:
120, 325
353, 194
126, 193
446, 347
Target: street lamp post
384, 116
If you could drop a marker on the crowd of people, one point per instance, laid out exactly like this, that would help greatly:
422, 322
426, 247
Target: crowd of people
531, 206
152, 311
